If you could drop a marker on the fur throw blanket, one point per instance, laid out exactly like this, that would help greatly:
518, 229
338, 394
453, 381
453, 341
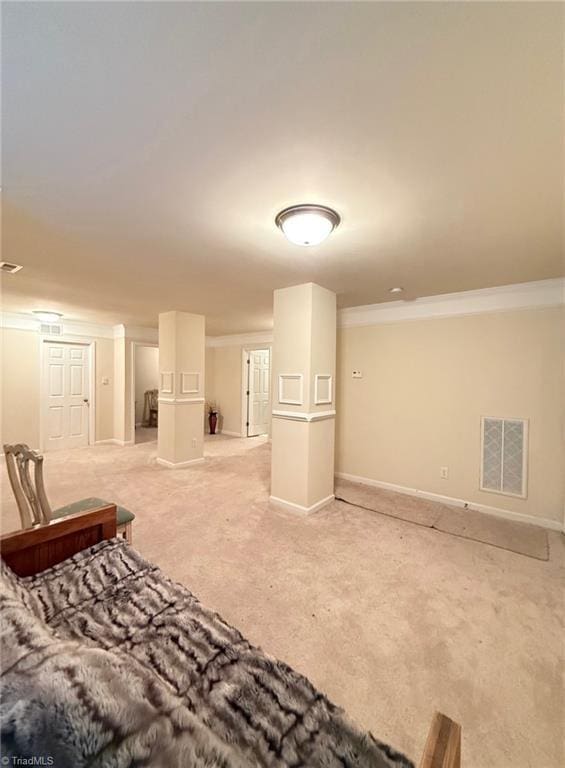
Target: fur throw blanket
106, 662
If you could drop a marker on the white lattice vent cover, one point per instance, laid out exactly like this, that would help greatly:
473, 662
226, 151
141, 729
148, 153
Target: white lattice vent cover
504, 460
50, 329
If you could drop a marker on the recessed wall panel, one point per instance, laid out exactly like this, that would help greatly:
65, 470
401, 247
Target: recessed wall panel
56, 380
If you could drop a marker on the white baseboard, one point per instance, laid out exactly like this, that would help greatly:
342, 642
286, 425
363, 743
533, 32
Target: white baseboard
231, 434
179, 464
518, 517
114, 441
292, 507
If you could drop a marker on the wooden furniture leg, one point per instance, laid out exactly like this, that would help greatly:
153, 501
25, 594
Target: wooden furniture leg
125, 532
443, 745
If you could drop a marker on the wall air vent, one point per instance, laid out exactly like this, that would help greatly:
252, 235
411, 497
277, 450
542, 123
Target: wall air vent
51, 329
504, 456
11, 269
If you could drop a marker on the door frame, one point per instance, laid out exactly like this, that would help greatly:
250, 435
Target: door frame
134, 345
245, 350
81, 342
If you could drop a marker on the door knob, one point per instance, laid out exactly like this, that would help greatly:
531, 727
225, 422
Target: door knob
85, 400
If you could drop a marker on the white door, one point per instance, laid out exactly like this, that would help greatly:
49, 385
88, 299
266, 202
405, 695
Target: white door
65, 395
259, 396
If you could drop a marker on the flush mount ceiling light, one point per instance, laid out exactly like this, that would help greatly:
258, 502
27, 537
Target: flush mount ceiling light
395, 290
46, 316
307, 224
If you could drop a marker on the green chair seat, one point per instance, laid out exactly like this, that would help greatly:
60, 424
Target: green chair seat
123, 515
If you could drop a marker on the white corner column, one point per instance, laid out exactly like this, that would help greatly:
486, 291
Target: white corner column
303, 425
181, 389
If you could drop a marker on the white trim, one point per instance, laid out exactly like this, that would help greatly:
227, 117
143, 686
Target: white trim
178, 464
540, 293
147, 336
114, 441
182, 400
231, 434
292, 507
535, 294
240, 339
184, 391
170, 389
293, 377
22, 321
323, 377
519, 517
302, 416
91, 344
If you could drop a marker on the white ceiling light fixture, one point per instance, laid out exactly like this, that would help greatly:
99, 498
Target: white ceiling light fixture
307, 224
398, 289
47, 317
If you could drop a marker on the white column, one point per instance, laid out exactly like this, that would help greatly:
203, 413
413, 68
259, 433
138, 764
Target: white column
304, 343
181, 389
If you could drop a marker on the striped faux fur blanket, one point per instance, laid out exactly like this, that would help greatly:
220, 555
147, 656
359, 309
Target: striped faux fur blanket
106, 662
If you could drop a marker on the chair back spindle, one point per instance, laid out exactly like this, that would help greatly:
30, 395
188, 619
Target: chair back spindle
31, 498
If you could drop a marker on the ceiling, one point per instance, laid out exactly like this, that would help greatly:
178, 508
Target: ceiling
147, 148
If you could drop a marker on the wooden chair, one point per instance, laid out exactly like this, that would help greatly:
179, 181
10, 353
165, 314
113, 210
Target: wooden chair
151, 408
31, 498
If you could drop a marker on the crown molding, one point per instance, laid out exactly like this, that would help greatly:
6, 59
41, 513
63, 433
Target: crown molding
537, 294
23, 322
541, 293
505, 298
136, 333
240, 339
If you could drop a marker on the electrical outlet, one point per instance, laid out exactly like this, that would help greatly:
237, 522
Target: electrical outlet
444, 473
356, 375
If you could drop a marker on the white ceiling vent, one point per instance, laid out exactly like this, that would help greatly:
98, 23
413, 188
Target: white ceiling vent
51, 329
11, 269
504, 455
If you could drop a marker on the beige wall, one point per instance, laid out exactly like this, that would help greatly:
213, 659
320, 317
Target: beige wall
425, 386
223, 384
104, 392
120, 393
21, 387
146, 376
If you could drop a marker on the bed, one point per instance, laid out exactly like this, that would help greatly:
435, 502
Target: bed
107, 662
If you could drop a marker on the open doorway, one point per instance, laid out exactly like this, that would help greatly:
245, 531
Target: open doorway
145, 386
256, 379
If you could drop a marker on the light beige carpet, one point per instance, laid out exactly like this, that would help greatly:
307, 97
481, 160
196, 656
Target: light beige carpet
524, 539
392, 620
